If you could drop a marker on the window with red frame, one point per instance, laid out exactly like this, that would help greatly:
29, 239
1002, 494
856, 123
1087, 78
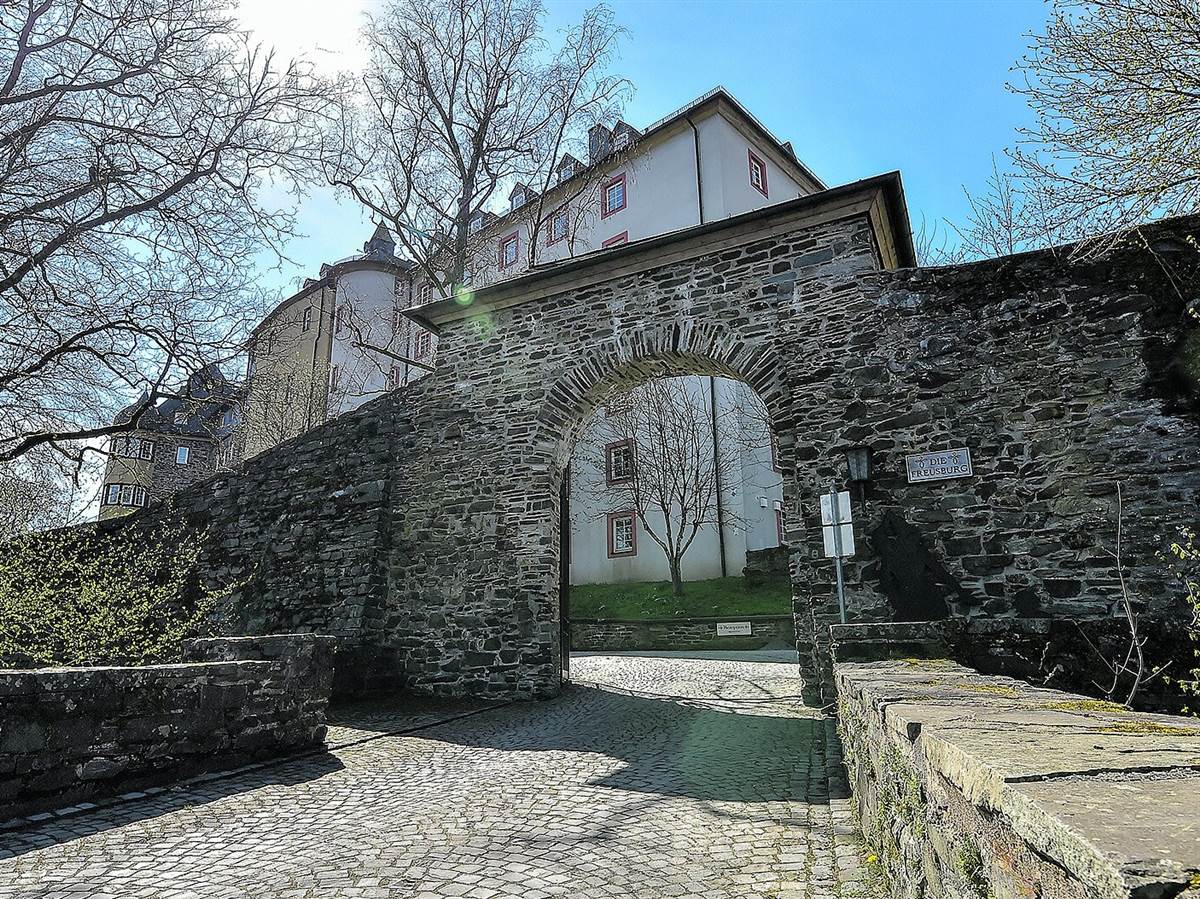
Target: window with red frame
619, 462
616, 240
426, 293
758, 173
622, 534
424, 345
509, 250
613, 196
560, 225
393, 378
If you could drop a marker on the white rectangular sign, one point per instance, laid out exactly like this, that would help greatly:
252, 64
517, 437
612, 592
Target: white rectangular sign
843, 509
952, 463
847, 541
733, 629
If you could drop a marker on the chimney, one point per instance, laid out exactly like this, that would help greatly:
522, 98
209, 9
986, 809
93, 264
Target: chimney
600, 143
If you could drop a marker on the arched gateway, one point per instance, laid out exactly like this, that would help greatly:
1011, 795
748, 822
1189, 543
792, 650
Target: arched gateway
769, 298
423, 528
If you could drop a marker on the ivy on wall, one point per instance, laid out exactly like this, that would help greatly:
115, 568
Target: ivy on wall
124, 596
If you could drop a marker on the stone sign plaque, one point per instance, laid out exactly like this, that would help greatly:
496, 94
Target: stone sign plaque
733, 629
941, 466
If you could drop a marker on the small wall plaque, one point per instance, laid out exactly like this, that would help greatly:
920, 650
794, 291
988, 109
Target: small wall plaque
942, 466
733, 629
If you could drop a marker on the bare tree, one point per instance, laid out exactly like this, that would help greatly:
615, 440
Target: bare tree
33, 496
671, 466
134, 138
463, 100
1115, 86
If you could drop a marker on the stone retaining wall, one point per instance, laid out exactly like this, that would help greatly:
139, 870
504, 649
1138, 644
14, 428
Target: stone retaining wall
73, 734
977, 787
595, 635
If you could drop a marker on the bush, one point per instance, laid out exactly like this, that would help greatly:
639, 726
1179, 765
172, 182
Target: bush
1185, 563
95, 596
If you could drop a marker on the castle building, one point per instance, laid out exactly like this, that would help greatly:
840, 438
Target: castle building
176, 442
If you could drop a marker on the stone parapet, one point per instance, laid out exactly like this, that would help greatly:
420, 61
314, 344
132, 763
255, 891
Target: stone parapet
69, 735
975, 786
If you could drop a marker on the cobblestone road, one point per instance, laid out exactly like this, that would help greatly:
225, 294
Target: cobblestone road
652, 777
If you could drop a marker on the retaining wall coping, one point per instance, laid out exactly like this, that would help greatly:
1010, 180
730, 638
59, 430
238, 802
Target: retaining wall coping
695, 620
1109, 794
84, 673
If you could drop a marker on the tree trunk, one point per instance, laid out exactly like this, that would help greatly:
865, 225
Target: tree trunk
676, 577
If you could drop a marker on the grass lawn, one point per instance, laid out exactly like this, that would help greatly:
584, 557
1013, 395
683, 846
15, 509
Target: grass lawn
721, 596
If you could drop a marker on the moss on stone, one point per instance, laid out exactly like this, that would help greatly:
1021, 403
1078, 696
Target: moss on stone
1087, 705
991, 689
929, 663
1150, 728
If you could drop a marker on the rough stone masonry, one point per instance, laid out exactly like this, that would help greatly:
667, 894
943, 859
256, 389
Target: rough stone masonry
423, 529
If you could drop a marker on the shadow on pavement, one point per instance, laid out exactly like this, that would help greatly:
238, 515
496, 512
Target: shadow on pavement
286, 771
732, 750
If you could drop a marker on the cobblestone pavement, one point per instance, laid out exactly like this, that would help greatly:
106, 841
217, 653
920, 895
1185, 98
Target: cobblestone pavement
651, 777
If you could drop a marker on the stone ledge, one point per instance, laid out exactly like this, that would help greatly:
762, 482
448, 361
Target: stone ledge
1015, 790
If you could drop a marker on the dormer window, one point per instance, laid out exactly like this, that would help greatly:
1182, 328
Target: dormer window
622, 140
476, 224
518, 199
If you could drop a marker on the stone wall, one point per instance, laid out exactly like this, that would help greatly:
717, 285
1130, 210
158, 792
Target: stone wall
592, 635
422, 529
975, 787
69, 735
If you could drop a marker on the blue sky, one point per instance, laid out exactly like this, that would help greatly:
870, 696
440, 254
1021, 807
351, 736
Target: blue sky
858, 87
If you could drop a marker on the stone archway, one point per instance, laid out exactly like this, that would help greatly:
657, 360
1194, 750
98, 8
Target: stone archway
522, 363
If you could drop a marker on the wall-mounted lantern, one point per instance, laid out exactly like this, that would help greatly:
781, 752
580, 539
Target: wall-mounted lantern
858, 461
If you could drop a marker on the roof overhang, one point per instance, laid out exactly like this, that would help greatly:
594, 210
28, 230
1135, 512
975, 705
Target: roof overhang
880, 199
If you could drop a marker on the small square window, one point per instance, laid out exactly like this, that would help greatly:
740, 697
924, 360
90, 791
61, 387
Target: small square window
616, 240
182, 454
559, 225
306, 322
622, 534
613, 196
758, 173
509, 248
619, 462
181, 418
